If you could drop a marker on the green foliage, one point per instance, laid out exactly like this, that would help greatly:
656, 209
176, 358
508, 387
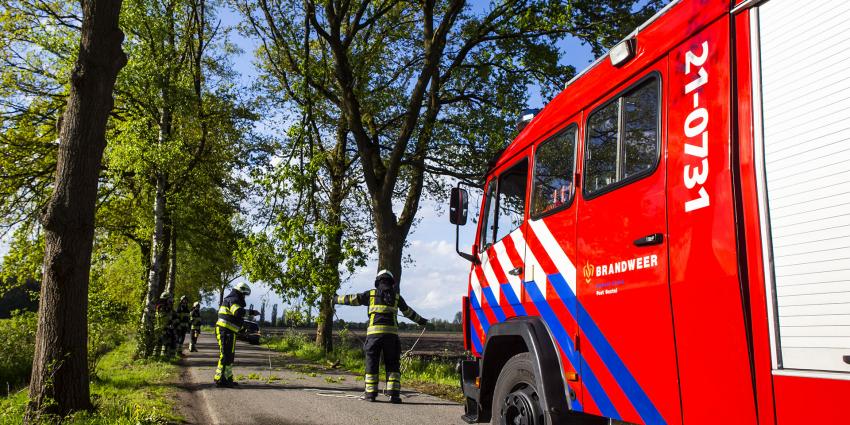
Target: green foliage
124, 391
17, 343
23, 260
39, 44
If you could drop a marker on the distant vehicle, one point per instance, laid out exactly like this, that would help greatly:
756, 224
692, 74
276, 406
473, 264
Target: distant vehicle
659, 244
249, 333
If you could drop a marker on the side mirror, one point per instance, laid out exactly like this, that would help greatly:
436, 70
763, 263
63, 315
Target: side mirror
458, 206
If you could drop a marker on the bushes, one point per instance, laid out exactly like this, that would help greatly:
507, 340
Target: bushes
124, 392
17, 343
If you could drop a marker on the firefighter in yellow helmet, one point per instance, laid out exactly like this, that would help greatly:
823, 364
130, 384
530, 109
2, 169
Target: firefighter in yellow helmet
382, 334
231, 315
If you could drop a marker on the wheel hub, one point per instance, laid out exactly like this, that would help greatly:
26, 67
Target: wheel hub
522, 407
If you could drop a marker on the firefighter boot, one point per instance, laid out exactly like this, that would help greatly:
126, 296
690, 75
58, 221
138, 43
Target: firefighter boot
394, 387
371, 387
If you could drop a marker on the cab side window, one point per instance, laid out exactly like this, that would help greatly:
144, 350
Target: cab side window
554, 168
511, 199
488, 227
622, 138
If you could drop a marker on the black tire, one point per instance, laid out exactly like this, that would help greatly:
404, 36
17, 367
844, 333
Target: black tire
516, 399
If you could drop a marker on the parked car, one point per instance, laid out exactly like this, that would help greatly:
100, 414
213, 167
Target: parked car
249, 333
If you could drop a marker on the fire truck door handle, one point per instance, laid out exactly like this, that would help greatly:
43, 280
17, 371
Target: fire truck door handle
516, 272
653, 239
847, 359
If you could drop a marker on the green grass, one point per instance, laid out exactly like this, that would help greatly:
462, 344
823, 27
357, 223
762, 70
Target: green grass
124, 391
432, 377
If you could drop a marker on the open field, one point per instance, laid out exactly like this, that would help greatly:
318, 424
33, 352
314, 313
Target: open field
446, 345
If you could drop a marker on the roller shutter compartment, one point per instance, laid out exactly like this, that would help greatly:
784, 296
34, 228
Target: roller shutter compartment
805, 91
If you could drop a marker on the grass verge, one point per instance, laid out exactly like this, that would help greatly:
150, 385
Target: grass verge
438, 378
124, 392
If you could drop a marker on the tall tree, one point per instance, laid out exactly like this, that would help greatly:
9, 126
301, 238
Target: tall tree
59, 380
182, 128
429, 88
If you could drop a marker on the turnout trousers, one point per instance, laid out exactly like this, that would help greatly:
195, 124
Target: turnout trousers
389, 345
227, 352
194, 341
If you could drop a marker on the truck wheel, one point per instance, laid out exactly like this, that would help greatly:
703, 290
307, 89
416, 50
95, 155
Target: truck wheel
515, 398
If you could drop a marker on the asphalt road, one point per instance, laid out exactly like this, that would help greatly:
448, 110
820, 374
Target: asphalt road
278, 390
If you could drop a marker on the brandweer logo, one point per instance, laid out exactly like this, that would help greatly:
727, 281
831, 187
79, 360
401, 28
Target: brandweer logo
588, 272
637, 263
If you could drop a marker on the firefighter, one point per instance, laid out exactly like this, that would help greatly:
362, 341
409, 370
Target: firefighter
182, 327
382, 334
165, 325
195, 321
231, 315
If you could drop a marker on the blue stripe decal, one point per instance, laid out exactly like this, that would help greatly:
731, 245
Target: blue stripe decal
577, 405
624, 378
479, 315
494, 303
512, 299
476, 341
565, 341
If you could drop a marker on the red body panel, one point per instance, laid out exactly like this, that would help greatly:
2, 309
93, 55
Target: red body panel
685, 339
707, 305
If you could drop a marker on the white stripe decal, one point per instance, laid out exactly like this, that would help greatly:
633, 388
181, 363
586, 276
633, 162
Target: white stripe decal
507, 265
492, 281
556, 253
476, 285
533, 271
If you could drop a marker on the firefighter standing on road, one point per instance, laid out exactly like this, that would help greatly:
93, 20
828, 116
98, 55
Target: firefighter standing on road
182, 314
231, 315
382, 334
165, 325
195, 320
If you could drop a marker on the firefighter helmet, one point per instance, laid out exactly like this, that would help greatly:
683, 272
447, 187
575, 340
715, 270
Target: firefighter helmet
183, 298
196, 304
243, 288
165, 296
384, 275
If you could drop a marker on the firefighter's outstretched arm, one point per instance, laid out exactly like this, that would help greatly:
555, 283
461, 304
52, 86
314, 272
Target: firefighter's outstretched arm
353, 299
410, 314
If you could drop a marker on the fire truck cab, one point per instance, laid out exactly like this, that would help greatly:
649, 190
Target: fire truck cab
668, 240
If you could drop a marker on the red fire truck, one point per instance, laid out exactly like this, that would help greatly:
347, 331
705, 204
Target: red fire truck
668, 240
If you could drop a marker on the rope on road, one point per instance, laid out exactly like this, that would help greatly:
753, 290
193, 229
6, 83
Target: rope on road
407, 357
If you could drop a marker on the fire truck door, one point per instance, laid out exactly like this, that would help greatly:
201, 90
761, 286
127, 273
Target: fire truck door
627, 347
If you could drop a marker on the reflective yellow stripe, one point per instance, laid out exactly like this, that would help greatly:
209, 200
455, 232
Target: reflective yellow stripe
234, 308
381, 329
378, 308
225, 324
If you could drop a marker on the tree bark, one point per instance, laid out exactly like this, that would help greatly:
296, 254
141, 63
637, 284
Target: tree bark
60, 380
158, 258
172, 260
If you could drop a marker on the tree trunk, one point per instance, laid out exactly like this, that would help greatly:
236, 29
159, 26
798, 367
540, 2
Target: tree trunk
172, 260
162, 278
325, 327
390, 242
60, 381
333, 254
158, 257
